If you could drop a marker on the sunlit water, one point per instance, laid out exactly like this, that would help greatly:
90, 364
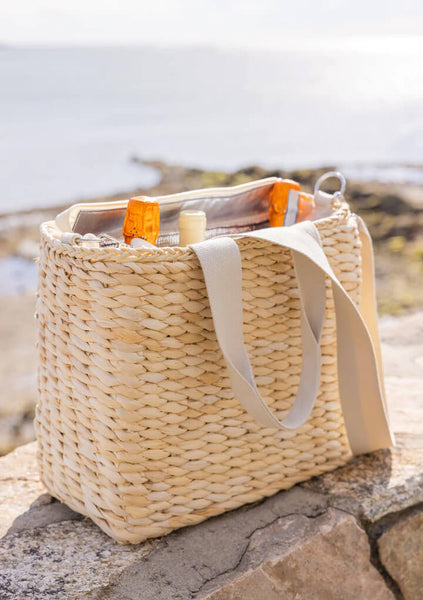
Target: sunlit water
71, 119
17, 275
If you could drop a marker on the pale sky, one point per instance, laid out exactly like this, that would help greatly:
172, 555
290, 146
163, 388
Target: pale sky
250, 23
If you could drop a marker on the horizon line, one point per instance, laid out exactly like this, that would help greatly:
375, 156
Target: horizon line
317, 42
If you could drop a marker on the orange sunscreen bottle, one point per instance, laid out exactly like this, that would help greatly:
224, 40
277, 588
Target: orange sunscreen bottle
142, 220
288, 205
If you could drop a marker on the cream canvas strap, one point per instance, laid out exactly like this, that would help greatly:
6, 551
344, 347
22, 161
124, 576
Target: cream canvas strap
359, 384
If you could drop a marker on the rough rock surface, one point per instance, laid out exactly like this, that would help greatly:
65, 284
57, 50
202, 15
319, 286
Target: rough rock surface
308, 558
20, 485
65, 560
402, 346
307, 543
373, 486
405, 539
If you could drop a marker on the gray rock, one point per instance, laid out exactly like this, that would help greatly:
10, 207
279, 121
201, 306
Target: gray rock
401, 553
402, 347
75, 558
66, 560
41, 515
20, 484
297, 558
23, 499
188, 559
252, 585
374, 485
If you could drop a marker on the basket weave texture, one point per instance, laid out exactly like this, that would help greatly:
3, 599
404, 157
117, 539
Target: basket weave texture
136, 422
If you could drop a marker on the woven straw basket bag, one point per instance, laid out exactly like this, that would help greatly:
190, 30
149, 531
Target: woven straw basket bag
179, 383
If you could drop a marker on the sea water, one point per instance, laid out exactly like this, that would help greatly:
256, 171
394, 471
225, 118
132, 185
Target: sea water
72, 118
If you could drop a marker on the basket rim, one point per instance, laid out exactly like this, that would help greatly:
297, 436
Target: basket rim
50, 236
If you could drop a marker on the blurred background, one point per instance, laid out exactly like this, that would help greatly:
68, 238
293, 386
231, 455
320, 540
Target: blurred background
104, 99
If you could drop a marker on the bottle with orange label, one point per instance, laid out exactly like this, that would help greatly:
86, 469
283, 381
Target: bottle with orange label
142, 220
288, 205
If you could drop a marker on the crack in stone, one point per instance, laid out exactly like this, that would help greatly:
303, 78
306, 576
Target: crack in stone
374, 530
247, 546
377, 563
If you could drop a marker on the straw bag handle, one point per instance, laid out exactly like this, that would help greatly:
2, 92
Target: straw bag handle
359, 386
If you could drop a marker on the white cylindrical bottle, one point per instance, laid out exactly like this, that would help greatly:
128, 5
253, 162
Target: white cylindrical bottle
192, 227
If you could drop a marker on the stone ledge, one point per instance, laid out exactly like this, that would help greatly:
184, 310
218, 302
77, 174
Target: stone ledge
50, 547
345, 534
374, 485
298, 554
405, 538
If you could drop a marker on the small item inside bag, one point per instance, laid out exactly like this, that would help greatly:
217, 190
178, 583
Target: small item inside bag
192, 227
142, 220
268, 202
288, 205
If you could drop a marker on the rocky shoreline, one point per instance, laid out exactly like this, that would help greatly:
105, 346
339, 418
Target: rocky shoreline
394, 214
